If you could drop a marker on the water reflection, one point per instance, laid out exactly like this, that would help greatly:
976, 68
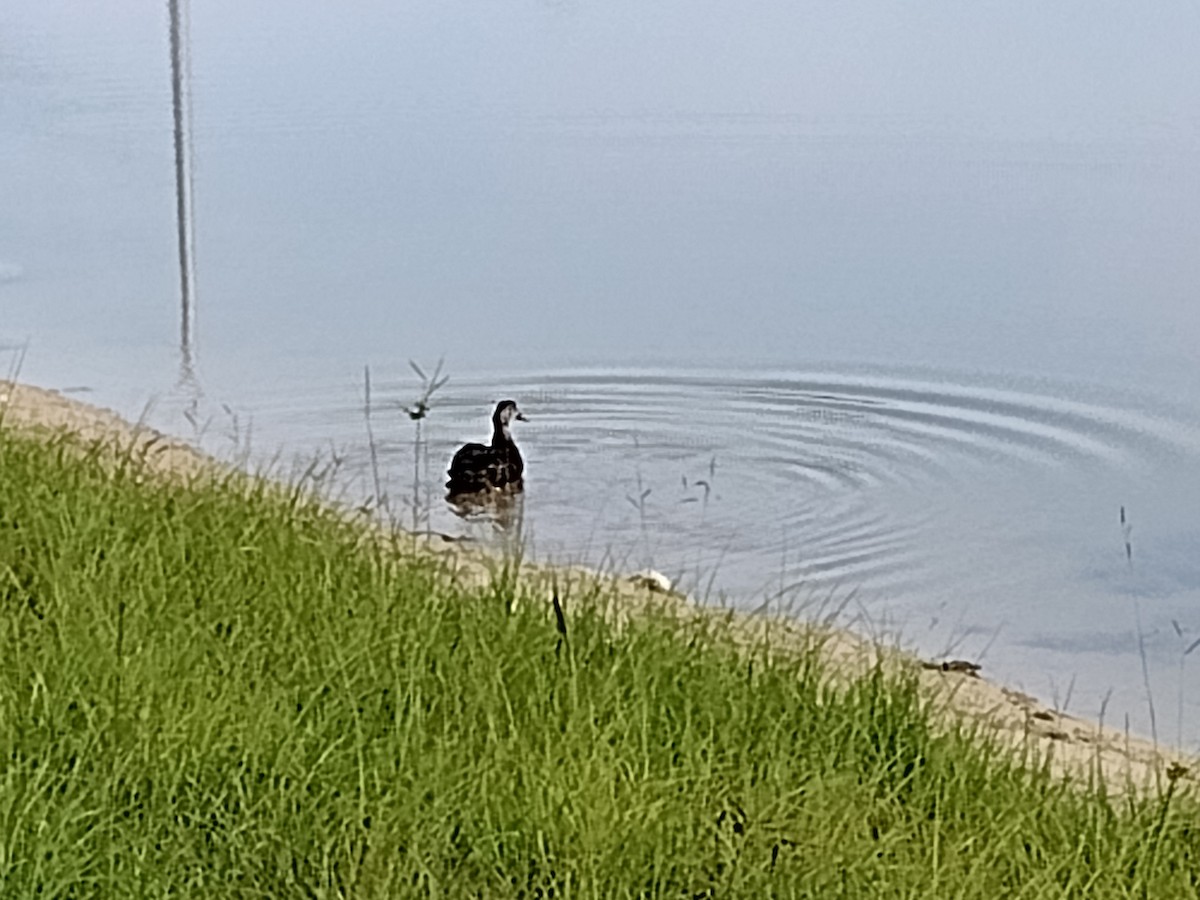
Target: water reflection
502, 512
182, 111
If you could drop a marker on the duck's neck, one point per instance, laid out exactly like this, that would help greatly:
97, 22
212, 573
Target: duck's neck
500, 435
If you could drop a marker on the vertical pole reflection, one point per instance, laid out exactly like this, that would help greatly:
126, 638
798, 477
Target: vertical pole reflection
180, 70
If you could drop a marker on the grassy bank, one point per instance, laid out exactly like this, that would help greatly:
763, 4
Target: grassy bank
225, 691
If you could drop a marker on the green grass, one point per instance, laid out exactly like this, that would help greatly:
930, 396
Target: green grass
227, 691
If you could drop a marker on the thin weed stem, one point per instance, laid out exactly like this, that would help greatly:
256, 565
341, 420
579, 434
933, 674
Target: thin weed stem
380, 500
417, 413
1127, 531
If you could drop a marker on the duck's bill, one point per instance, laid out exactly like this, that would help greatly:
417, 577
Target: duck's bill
520, 417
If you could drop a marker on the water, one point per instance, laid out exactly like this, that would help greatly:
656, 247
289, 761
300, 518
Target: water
814, 306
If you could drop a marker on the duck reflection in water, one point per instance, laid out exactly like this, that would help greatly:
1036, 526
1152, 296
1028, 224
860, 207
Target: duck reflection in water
487, 480
498, 512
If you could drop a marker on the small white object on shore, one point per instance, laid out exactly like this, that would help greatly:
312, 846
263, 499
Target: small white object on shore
653, 581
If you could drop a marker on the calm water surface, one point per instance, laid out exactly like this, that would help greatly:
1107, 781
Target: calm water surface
808, 306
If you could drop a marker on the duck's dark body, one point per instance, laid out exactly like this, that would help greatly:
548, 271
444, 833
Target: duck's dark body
478, 468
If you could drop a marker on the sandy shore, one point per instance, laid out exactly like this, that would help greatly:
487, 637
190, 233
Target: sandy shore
1074, 747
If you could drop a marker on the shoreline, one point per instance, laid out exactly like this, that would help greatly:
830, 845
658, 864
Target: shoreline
1073, 747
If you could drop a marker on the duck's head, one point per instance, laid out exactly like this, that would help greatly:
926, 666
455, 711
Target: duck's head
506, 411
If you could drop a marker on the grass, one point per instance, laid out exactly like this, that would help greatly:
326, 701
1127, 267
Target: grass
228, 691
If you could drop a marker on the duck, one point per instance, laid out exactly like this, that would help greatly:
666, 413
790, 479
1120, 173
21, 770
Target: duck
480, 468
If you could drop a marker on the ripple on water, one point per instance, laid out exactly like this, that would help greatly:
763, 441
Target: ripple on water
849, 473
